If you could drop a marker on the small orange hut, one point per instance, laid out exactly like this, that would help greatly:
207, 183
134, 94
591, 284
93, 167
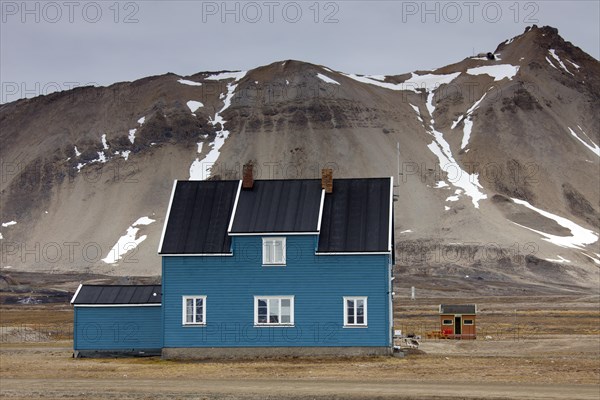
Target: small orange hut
458, 321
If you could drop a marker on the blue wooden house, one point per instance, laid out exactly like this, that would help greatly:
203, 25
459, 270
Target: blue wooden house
271, 268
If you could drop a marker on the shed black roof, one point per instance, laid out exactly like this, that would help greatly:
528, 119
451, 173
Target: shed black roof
355, 217
279, 206
117, 294
458, 309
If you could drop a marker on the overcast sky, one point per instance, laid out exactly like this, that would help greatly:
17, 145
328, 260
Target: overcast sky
45, 46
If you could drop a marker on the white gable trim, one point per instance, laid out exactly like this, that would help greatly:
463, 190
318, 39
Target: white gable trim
390, 244
162, 236
235, 204
76, 293
321, 210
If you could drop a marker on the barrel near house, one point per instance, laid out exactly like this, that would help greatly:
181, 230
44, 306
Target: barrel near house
458, 321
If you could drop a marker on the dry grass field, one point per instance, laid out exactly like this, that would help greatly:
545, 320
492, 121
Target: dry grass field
548, 349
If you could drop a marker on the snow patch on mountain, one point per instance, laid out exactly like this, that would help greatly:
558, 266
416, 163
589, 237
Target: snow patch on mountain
573, 64
200, 169
127, 242
415, 83
132, 135
418, 112
236, 75
469, 183
550, 62
594, 147
468, 122
579, 236
428, 82
559, 260
104, 143
498, 72
557, 58
327, 79
596, 259
9, 223
189, 83
194, 105
377, 77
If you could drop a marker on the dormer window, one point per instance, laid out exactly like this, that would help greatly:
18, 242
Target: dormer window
273, 251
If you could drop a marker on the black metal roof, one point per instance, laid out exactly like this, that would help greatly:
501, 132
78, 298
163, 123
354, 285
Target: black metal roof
356, 216
199, 217
117, 294
458, 309
279, 206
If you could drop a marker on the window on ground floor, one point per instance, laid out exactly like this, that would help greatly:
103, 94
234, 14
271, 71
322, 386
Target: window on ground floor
273, 310
194, 310
355, 311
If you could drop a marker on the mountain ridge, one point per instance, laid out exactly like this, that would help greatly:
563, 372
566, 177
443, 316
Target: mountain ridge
478, 127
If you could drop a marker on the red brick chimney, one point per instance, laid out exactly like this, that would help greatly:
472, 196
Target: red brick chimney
327, 180
248, 178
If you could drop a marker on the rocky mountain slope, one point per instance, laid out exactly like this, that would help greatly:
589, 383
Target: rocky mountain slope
496, 160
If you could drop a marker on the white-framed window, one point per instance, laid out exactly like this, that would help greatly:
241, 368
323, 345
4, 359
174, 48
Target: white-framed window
447, 322
194, 310
273, 251
355, 311
467, 322
273, 310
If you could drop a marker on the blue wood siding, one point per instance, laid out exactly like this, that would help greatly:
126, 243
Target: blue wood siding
318, 284
117, 328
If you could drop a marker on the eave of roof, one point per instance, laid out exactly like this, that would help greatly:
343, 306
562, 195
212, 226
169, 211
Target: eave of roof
117, 295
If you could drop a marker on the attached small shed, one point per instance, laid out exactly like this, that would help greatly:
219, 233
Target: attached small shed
112, 320
458, 321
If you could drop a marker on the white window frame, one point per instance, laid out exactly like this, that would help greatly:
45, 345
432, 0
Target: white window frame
355, 324
195, 317
471, 321
448, 321
267, 239
267, 298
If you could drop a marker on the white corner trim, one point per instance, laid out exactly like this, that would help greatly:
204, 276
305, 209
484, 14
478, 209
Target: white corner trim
321, 210
390, 244
162, 236
235, 204
76, 293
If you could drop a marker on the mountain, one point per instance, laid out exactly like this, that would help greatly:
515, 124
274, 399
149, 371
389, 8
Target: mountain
495, 157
